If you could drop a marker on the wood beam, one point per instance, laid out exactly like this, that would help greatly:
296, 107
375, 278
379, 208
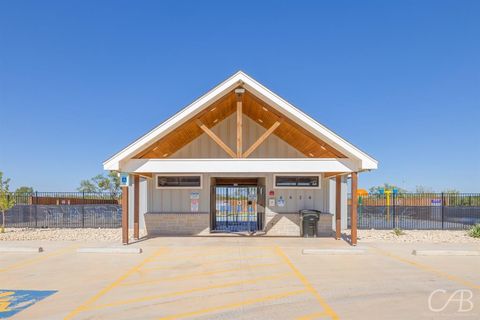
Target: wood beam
125, 215
333, 174
338, 207
136, 207
262, 138
354, 212
215, 138
239, 125
145, 174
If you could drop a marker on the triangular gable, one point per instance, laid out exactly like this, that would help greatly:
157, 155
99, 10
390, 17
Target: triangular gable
204, 147
221, 97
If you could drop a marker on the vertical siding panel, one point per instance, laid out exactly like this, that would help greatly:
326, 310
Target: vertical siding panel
309, 199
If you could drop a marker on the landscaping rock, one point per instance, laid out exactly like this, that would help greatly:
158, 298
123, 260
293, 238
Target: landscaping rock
16, 234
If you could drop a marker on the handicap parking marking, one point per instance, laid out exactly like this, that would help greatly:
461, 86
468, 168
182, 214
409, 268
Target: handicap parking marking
14, 301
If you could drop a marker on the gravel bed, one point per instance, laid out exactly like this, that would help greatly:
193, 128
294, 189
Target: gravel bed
416, 236
16, 234
410, 236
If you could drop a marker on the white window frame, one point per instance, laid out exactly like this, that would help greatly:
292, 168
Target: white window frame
297, 175
178, 175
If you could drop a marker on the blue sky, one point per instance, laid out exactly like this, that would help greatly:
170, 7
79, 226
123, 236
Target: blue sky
400, 79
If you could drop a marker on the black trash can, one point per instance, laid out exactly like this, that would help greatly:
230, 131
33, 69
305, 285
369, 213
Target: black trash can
309, 223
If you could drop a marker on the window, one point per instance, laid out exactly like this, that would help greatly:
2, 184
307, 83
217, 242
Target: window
176, 182
297, 181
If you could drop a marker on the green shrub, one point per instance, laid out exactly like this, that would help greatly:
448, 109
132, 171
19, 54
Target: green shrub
474, 231
398, 232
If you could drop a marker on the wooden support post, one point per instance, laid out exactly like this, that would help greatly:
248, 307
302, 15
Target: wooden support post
354, 212
338, 207
125, 215
239, 125
136, 207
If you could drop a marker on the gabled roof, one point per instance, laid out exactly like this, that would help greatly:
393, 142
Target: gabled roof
261, 92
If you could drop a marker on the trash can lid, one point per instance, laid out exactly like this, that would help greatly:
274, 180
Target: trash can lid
310, 211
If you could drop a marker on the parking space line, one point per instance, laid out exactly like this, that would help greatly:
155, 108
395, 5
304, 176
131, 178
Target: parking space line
114, 284
192, 290
235, 305
208, 263
193, 253
313, 316
192, 275
429, 269
328, 310
42, 257
207, 253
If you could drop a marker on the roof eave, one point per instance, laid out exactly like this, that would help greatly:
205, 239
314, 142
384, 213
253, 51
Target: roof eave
113, 163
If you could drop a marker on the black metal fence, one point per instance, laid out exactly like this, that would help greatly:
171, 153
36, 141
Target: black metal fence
418, 211
64, 210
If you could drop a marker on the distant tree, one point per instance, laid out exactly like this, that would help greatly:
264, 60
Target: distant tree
424, 189
452, 191
102, 183
87, 186
6, 200
24, 189
385, 186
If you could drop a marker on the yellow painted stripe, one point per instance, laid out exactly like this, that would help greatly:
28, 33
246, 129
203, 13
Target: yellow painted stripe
183, 254
328, 310
202, 264
234, 305
114, 284
208, 252
184, 292
199, 274
429, 269
42, 257
313, 316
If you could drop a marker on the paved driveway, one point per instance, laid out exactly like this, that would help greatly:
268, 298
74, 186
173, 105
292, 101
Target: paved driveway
241, 278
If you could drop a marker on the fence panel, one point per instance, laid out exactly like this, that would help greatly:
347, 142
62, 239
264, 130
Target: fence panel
65, 210
410, 211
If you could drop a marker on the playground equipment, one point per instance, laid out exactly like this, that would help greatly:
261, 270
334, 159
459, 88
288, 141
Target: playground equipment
387, 193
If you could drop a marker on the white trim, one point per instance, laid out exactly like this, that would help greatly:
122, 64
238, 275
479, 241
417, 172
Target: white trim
290, 174
178, 175
240, 165
366, 162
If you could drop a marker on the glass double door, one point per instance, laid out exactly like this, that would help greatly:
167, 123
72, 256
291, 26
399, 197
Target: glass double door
237, 208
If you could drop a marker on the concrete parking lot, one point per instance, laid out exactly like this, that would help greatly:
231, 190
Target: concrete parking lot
242, 278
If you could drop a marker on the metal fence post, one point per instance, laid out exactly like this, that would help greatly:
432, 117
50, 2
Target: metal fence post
4, 218
36, 209
443, 212
83, 209
394, 210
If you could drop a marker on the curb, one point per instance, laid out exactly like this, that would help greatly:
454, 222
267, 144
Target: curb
21, 249
333, 251
110, 250
445, 253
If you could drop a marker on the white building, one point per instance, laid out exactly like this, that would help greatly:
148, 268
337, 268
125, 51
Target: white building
238, 159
